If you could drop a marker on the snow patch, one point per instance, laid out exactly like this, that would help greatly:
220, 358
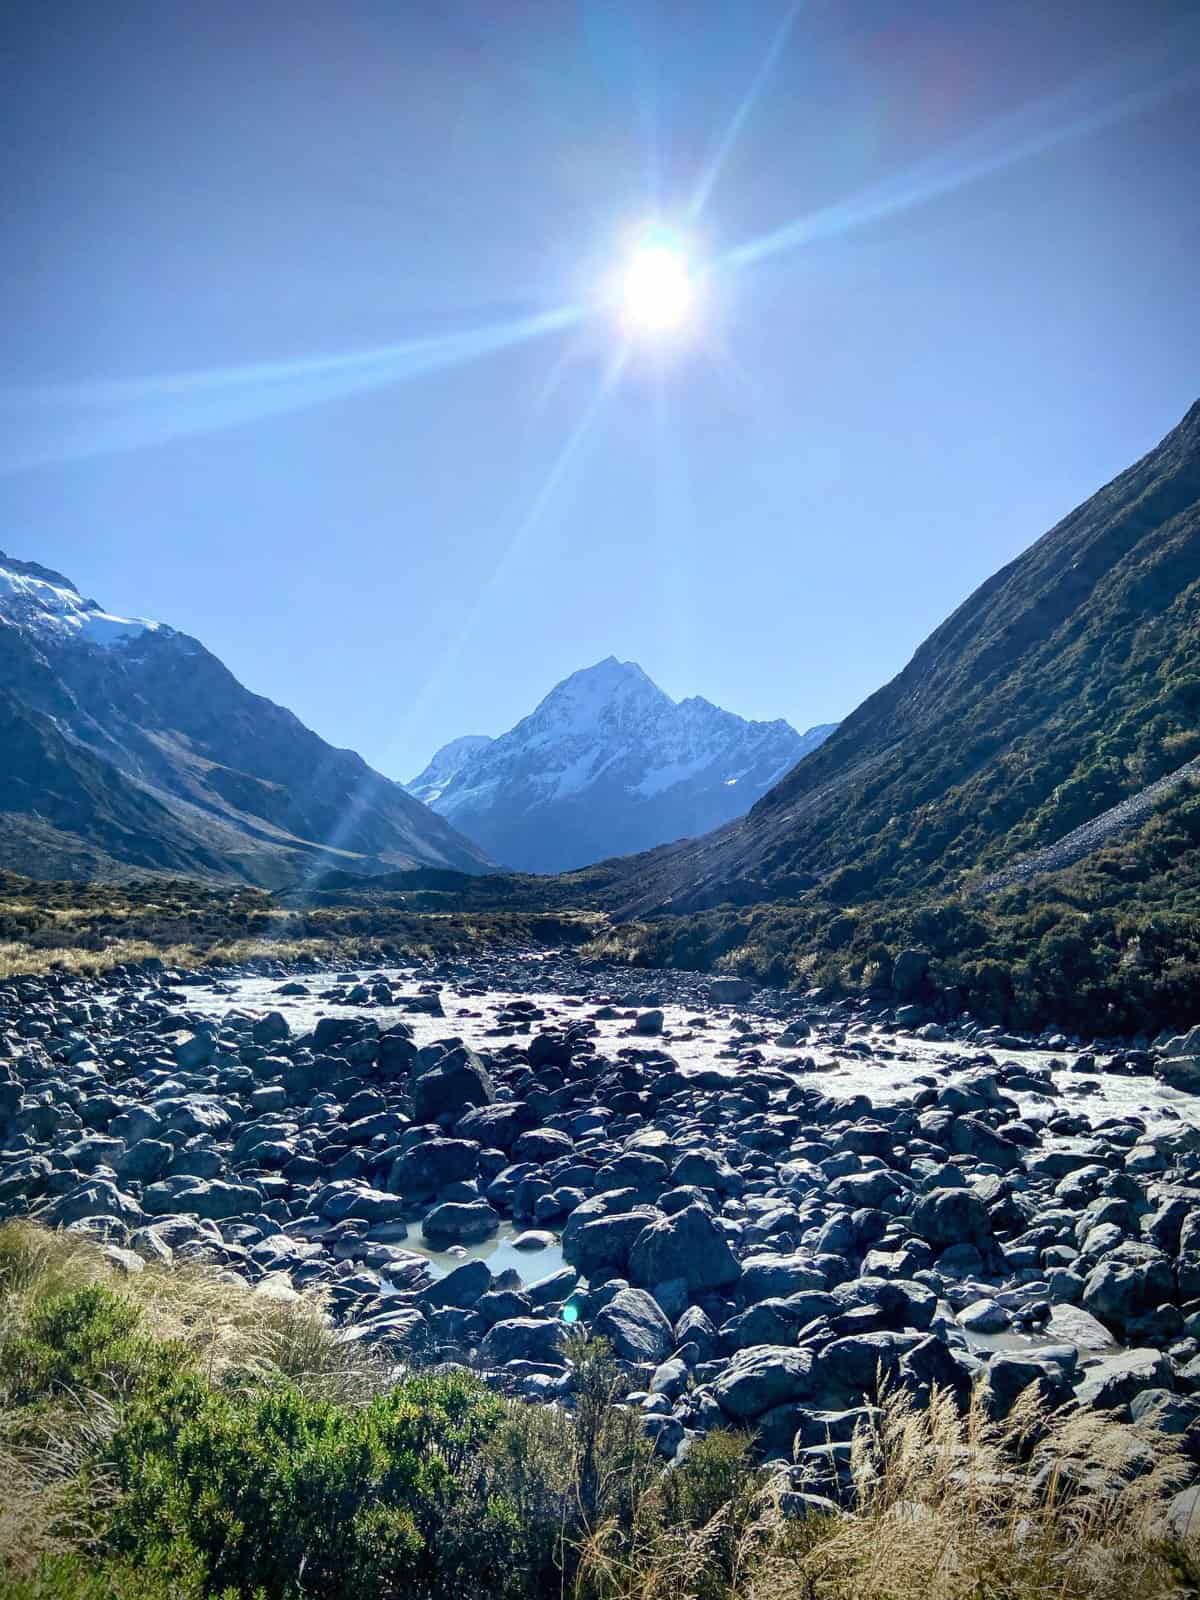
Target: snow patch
31, 602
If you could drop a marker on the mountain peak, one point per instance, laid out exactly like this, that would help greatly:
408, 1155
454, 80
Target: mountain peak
35, 570
606, 763
44, 603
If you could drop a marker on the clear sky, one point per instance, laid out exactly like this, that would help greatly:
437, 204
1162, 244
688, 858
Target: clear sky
300, 349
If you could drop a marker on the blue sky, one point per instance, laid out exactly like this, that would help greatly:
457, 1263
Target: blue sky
293, 354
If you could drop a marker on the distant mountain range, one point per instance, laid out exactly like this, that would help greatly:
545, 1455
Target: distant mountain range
607, 764
1065, 685
125, 745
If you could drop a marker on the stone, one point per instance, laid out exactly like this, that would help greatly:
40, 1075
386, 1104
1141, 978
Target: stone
1115, 1379
729, 991
689, 1246
523, 1339
600, 1248
432, 1164
456, 1082
459, 1222
766, 1277
635, 1327
763, 1377
462, 1286
948, 1217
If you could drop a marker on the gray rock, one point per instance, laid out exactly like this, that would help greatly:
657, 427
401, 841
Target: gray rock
523, 1339
759, 1379
729, 991
459, 1222
689, 1246
1114, 1380
948, 1217
455, 1083
634, 1324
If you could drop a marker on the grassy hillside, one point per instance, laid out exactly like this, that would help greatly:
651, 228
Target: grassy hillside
1066, 682
166, 1434
1110, 945
93, 927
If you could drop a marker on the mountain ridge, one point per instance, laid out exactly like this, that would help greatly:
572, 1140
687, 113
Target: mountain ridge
131, 739
994, 710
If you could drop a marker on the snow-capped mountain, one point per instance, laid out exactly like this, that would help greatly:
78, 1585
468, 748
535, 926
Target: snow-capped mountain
607, 765
126, 744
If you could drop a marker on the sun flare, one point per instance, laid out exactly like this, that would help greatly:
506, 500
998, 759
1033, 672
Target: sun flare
657, 292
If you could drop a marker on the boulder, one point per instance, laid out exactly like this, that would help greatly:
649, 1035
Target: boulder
600, 1247
1114, 1380
947, 1217
432, 1164
689, 1246
634, 1324
459, 1222
729, 991
763, 1377
452, 1085
523, 1339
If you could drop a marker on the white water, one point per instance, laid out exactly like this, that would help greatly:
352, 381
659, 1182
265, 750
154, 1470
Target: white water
886, 1075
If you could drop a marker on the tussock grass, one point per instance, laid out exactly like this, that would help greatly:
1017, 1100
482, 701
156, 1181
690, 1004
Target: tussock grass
951, 1507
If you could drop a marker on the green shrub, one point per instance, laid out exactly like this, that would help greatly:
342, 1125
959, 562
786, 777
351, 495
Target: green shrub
87, 1338
290, 1495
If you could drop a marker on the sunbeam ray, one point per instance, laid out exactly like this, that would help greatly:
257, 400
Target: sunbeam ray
74, 421
1083, 107
708, 178
528, 523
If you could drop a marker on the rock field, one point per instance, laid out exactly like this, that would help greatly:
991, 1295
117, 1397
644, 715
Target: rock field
768, 1204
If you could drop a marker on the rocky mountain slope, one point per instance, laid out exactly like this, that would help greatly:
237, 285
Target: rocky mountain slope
126, 744
1067, 682
607, 764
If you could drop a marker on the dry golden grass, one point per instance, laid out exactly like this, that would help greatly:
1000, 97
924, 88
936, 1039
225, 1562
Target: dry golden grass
961, 1508
229, 1333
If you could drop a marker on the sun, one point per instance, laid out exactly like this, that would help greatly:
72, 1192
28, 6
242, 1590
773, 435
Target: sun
657, 291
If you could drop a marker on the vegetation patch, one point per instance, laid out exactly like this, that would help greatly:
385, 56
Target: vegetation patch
167, 1435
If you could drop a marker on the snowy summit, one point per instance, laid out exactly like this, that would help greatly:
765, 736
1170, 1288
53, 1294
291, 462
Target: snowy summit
36, 598
605, 765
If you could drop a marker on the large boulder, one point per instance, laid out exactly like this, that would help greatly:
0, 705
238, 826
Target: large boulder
431, 1165
634, 1324
600, 1246
455, 1083
1113, 1382
769, 1277
523, 1339
459, 1222
688, 1246
498, 1126
1118, 1291
729, 991
946, 1217
763, 1377
461, 1287
98, 1200
908, 973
